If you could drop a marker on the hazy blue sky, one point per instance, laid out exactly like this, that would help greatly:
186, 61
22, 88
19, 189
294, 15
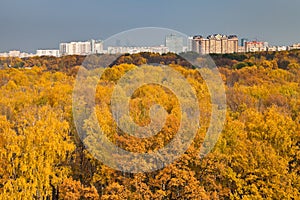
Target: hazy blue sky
31, 24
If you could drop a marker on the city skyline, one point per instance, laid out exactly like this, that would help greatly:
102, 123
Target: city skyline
161, 42
156, 42
126, 42
33, 24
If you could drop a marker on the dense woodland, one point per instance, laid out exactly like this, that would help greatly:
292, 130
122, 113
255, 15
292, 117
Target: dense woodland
256, 157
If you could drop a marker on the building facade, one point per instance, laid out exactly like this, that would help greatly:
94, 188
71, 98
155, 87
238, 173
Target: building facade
243, 41
256, 46
190, 44
175, 43
277, 48
132, 50
218, 44
16, 53
81, 48
48, 52
294, 46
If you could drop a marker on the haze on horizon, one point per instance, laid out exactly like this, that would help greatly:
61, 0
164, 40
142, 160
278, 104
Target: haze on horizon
43, 24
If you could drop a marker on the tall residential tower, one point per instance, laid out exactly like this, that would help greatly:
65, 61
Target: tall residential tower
219, 44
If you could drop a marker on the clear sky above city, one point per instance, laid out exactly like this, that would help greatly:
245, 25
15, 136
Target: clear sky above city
34, 24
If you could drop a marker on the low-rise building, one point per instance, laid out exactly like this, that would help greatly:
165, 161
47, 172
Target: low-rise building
255, 46
26, 55
281, 48
131, 50
4, 54
294, 46
241, 49
272, 48
48, 52
15, 53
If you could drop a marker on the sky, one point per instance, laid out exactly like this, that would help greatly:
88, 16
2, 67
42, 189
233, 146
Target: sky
28, 25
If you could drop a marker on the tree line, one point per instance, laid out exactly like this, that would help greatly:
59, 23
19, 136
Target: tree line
256, 157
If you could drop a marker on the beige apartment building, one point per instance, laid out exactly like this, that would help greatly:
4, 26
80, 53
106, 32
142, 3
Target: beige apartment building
219, 44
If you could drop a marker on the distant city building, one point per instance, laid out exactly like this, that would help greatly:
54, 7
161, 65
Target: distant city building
213, 44
219, 44
243, 41
96, 46
48, 52
255, 46
200, 44
175, 43
294, 46
131, 50
190, 44
81, 48
26, 55
4, 54
241, 49
272, 48
281, 48
75, 48
16, 53
277, 48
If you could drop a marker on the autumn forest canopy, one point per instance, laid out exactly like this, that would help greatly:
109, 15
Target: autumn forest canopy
257, 155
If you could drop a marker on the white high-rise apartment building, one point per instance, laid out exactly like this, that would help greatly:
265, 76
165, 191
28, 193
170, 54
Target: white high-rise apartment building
81, 48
